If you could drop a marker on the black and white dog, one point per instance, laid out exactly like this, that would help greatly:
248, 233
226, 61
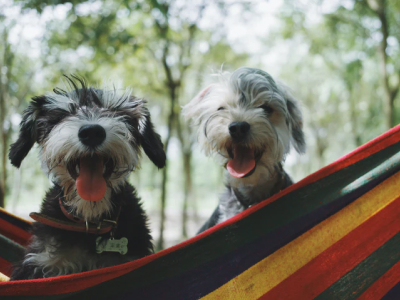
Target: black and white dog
249, 121
89, 142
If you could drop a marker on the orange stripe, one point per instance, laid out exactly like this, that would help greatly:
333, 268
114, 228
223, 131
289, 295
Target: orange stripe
383, 285
340, 258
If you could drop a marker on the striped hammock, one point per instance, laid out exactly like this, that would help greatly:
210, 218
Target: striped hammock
333, 235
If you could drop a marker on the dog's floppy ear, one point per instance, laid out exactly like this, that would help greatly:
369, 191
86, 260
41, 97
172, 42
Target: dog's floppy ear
200, 96
296, 123
189, 111
151, 142
27, 133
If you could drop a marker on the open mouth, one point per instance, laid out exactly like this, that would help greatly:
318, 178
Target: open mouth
90, 175
243, 161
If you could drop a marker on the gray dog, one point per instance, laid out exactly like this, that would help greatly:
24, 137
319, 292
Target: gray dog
248, 121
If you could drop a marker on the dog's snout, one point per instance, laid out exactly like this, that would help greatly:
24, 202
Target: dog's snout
239, 130
92, 135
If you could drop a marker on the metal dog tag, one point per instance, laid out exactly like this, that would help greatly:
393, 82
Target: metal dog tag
112, 245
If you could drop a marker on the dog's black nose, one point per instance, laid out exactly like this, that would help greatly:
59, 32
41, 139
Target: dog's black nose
239, 130
92, 135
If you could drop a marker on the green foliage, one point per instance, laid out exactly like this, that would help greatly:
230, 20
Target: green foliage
343, 86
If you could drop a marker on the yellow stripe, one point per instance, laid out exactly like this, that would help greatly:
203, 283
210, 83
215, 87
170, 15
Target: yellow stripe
3, 278
262, 277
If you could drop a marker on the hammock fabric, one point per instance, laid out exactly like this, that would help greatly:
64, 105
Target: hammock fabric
333, 235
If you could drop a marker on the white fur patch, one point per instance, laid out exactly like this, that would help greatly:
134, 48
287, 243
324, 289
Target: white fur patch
53, 262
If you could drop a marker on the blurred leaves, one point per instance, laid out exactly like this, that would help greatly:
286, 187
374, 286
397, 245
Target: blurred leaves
344, 89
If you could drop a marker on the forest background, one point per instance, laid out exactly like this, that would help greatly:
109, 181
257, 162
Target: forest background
341, 58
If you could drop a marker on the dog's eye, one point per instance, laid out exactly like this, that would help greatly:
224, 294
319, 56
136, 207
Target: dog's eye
221, 108
268, 109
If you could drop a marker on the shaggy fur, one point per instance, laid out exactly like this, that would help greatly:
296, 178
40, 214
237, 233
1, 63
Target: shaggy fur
55, 252
54, 122
274, 122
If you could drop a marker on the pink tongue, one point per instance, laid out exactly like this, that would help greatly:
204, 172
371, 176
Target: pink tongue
90, 183
242, 163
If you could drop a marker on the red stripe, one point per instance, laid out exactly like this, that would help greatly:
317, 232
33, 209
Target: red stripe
325, 269
5, 267
383, 285
75, 282
14, 233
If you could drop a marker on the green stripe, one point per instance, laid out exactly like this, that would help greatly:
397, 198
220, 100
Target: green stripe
10, 250
265, 220
359, 279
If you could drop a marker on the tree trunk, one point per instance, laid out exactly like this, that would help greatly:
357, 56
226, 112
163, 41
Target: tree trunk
354, 116
3, 149
321, 146
17, 189
171, 117
3, 170
3, 113
4, 139
7, 60
160, 242
172, 86
187, 157
379, 7
388, 101
184, 134
1, 197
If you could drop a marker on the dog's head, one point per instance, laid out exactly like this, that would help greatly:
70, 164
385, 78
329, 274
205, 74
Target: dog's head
90, 140
248, 120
